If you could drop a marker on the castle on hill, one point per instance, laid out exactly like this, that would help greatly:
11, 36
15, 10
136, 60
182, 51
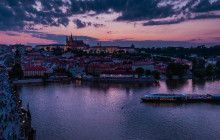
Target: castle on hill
74, 42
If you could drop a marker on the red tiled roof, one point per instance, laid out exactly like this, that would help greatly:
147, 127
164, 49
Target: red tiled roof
101, 65
119, 72
103, 59
143, 63
124, 67
35, 68
34, 54
60, 74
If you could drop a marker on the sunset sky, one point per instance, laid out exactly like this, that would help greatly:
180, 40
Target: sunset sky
145, 23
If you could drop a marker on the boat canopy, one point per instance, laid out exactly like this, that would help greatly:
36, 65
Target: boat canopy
216, 97
166, 95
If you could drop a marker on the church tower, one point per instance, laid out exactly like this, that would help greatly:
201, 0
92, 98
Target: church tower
99, 44
71, 42
67, 41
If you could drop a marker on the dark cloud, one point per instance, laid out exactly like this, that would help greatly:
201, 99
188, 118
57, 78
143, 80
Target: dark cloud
15, 15
79, 23
206, 6
19, 14
195, 39
206, 16
109, 32
216, 38
175, 21
12, 34
154, 43
148, 10
132, 10
98, 25
149, 23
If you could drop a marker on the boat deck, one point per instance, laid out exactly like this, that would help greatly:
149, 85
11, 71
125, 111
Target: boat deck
181, 98
199, 97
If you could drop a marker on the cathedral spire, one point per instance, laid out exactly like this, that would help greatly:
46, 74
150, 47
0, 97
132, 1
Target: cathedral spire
67, 41
71, 37
71, 42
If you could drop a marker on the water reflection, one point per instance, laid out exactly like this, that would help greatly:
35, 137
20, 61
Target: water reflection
176, 84
199, 82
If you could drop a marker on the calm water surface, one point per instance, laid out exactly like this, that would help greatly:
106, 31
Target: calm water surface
83, 110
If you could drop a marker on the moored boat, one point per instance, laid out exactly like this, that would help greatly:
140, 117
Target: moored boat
164, 97
157, 97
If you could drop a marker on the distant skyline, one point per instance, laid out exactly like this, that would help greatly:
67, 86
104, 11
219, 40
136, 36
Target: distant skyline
144, 23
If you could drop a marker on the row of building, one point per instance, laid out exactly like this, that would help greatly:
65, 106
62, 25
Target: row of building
36, 64
40, 60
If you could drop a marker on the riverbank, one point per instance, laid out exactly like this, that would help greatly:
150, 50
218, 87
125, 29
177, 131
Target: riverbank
15, 121
122, 79
28, 81
98, 79
25, 81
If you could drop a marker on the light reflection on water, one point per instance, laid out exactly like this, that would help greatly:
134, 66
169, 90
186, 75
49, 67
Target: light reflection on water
84, 110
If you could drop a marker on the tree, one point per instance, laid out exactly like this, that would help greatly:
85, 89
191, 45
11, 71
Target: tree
140, 71
175, 69
180, 70
129, 62
45, 77
194, 63
63, 70
69, 50
16, 71
48, 49
57, 51
156, 74
169, 74
148, 72
69, 74
125, 63
210, 70
217, 69
199, 73
8, 61
200, 64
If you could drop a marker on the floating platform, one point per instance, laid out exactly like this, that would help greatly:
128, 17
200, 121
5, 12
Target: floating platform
155, 97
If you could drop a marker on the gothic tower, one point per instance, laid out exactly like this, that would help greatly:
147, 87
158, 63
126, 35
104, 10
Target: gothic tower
71, 40
67, 42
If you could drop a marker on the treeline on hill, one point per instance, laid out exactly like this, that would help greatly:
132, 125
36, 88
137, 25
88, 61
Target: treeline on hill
140, 71
179, 52
211, 71
182, 52
176, 69
198, 70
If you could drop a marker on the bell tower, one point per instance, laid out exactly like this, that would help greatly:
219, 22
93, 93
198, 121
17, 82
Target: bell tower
71, 40
67, 41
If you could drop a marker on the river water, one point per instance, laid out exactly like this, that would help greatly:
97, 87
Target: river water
113, 111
